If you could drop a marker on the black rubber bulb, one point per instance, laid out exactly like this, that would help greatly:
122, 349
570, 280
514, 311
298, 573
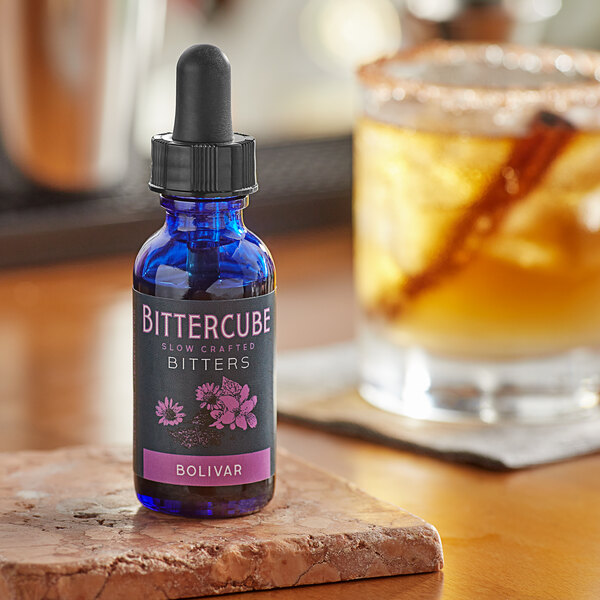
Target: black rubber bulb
203, 102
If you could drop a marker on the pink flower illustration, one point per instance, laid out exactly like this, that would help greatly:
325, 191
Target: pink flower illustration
208, 394
169, 412
217, 414
234, 408
230, 387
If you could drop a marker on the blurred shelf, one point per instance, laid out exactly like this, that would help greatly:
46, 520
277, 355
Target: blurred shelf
303, 184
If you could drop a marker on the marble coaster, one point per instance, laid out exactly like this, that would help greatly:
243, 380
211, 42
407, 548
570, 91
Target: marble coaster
318, 387
71, 528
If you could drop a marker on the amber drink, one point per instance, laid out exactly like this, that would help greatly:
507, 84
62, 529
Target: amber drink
477, 232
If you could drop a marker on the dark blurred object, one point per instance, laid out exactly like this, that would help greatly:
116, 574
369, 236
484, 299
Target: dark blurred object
480, 20
302, 184
461, 20
68, 75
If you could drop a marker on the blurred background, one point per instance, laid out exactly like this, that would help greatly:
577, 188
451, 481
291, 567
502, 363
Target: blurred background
84, 85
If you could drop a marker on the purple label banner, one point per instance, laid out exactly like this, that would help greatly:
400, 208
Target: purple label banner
179, 469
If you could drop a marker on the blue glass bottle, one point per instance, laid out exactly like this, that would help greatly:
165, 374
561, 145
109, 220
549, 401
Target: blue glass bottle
204, 252
203, 314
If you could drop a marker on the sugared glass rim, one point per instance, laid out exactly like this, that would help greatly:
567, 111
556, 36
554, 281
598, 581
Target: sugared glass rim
376, 78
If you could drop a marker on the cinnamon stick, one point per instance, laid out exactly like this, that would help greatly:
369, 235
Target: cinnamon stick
528, 162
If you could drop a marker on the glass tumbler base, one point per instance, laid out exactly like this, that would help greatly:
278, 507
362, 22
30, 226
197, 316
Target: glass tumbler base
411, 382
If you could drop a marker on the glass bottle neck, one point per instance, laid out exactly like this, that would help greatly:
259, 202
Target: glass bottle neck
188, 214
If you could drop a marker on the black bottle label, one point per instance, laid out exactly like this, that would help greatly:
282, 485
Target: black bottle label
204, 410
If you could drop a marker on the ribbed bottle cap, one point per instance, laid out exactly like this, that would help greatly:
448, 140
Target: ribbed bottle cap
203, 157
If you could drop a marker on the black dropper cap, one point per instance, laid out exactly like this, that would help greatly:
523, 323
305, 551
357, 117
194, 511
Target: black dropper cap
203, 158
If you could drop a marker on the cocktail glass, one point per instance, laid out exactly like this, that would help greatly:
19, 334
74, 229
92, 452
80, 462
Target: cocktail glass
477, 232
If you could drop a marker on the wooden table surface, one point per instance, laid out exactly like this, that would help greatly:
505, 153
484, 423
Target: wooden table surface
65, 378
